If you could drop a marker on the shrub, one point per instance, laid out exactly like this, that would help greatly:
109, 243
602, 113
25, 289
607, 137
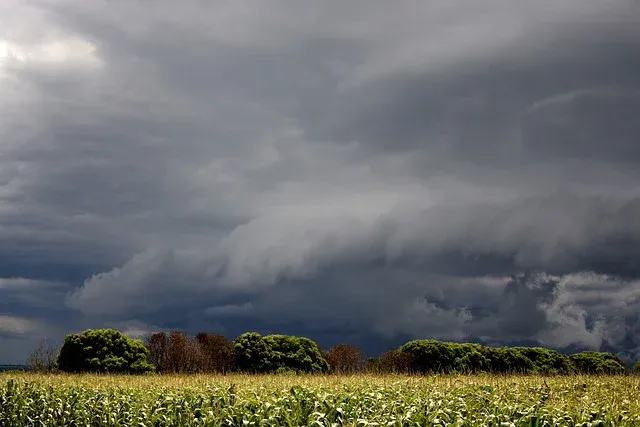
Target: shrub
271, 353
636, 367
103, 350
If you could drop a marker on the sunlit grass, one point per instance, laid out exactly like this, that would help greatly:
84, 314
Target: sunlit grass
217, 400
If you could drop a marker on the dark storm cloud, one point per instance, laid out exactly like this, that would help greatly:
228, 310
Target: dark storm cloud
364, 171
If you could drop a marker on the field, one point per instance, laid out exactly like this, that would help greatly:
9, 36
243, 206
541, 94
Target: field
243, 400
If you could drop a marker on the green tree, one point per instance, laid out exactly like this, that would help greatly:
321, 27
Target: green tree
277, 353
509, 360
595, 362
251, 353
430, 355
636, 367
103, 350
546, 361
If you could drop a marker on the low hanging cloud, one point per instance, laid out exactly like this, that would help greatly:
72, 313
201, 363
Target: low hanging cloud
471, 174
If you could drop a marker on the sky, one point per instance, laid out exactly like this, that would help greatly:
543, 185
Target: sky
363, 171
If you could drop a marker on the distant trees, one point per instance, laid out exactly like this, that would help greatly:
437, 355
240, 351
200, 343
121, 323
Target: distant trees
43, 358
184, 354
447, 357
103, 350
278, 353
107, 350
177, 352
345, 358
594, 362
217, 351
509, 360
546, 361
158, 346
391, 361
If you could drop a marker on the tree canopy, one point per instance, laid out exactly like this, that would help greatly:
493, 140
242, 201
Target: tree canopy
278, 353
107, 350
103, 350
446, 357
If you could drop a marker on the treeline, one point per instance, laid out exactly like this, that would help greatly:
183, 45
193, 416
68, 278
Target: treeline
108, 350
177, 352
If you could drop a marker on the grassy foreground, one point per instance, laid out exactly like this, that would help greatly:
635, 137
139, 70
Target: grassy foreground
242, 400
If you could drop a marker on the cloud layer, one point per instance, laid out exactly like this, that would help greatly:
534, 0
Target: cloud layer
365, 172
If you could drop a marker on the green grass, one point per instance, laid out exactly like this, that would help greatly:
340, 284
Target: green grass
28, 399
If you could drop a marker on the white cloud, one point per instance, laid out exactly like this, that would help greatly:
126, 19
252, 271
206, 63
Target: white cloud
18, 325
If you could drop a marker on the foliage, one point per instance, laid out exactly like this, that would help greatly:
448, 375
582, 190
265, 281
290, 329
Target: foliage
280, 353
277, 353
252, 354
158, 346
184, 354
391, 361
595, 362
636, 367
480, 400
177, 352
103, 350
345, 358
546, 361
448, 357
509, 360
217, 351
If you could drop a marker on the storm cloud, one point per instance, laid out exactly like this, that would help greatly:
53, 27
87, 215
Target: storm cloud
362, 171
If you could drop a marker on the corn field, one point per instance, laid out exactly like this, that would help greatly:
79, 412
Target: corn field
364, 400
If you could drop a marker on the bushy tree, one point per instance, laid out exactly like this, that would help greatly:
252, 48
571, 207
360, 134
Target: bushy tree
277, 353
345, 358
447, 357
595, 362
252, 354
470, 358
509, 360
636, 368
103, 350
430, 355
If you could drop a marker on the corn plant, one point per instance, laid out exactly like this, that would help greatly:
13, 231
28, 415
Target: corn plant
359, 400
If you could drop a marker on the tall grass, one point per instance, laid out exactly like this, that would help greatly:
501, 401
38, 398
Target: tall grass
29, 399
